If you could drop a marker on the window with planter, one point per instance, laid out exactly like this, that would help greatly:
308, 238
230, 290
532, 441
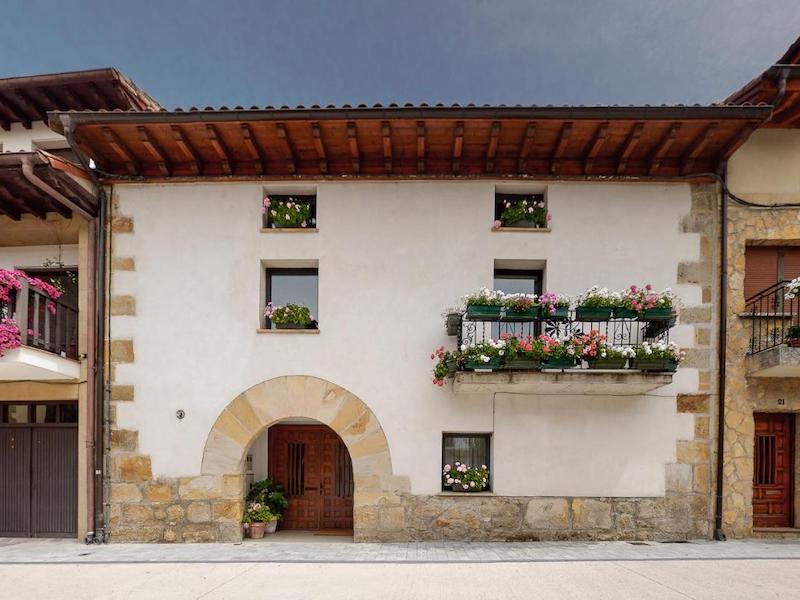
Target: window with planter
465, 462
289, 211
520, 211
292, 298
520, 288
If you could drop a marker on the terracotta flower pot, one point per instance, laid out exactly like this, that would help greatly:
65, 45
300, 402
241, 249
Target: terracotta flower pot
793, 342
257, 530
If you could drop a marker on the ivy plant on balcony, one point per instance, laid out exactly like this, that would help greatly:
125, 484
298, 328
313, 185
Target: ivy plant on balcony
658, 356
460, 477
287, 213
290, 316
523, 213
485, 303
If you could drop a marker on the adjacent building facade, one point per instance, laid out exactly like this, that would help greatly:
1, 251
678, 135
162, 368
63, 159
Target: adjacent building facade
204, 394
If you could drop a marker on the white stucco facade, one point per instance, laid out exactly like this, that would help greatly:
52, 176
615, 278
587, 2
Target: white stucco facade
20, 257
392, 256
20, 139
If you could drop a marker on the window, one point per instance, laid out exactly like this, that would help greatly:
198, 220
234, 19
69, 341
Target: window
517, 281
293, 286
533, 215
276, 200
767, 265
22, 414
471, 449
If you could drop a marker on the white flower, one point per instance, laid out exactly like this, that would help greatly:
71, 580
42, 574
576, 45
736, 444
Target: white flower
530, 209
485, 358
483, 467
463, 347
450, 481
471, 484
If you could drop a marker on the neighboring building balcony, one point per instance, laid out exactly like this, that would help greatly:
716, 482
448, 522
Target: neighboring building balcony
47, 348
774, 348
622, 372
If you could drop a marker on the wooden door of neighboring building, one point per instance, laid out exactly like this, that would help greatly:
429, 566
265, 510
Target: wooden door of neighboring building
313, 466
773, 488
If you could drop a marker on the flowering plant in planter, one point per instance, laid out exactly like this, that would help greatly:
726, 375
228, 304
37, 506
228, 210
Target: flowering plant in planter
558, 354
523, 353
258, 513
520, 307
290, 316
463, 478
447, 363
11, 281
658, 356
9, 335
554, 305
486, 355
484, 303
526, 212
596, 351
793, 288
646, 300
287, 213
596, 304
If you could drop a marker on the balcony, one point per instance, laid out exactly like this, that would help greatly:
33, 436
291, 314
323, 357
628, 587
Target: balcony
580, 378
48, 330
774, 347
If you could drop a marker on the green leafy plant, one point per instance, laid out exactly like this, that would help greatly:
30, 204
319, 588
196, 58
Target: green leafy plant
447, 362
529, 348
556, 349
258, 512
793, 333
463, 477
659, 351
484, 297
270, 494
295, 314
519, 302
597, 297
526, 209
484, 352
287, 213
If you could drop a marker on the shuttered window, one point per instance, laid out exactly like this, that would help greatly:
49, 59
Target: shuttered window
767, 265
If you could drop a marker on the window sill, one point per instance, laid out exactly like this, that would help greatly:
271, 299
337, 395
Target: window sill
446, 493
302, 331
289, 230
521, 229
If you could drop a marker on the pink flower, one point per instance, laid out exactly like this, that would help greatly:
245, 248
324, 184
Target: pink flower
497, 225
549, 216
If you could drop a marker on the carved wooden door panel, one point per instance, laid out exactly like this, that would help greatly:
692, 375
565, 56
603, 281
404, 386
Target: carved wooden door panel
773, 469
337, 484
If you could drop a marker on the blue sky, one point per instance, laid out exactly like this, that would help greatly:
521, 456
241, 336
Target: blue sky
352, 51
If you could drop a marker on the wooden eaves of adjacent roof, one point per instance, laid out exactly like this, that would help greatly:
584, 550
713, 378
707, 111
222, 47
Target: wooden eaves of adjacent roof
49, 186
27, 99
779, 86
415, 141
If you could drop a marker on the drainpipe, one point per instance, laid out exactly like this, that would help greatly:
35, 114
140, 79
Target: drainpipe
719, 534
102, 398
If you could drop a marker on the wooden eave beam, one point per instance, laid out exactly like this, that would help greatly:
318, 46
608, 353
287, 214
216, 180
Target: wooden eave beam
50, 101
491, 150
663, 147
189, 153
700, 142
74, 101
595, 146
100, 99
152, 147
319, 146
420, 146
5, 124
283, 134
122, 151
525, 147
788, 117
253, 148
386, 134
33, 108
458, 145
561, 146
630, 145
352, 141
32, 204
219, 148
10, 205
13, 113
735, 142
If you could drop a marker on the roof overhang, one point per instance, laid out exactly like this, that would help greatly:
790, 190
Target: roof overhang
617, 141
27, 99
38, 182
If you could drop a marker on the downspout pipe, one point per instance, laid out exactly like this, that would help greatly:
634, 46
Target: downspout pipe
719, 534
99, 532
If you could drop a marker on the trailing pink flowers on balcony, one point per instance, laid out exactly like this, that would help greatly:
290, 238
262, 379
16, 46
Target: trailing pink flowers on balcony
9, 336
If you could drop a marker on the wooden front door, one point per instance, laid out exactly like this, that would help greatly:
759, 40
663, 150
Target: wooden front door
773, 481
313, 465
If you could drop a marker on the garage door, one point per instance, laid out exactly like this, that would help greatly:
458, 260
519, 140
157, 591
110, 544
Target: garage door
38, 470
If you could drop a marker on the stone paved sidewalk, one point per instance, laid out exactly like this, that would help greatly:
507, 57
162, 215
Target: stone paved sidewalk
18, 551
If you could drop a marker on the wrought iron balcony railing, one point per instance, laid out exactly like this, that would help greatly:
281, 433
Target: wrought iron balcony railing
772, 315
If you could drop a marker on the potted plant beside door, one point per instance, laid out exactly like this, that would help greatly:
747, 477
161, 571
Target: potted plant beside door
259, 519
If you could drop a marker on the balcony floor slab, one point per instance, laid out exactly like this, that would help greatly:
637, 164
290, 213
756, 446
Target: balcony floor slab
576, 382
31, 364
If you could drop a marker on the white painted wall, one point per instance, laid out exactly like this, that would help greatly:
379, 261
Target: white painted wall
767, 166
391, 257
14, 257
20, 139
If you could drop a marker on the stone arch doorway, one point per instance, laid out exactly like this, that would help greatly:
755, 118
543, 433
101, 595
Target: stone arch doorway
377, 499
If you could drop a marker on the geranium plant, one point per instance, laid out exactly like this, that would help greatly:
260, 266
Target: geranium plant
447, 362
669, 351
550, 302
554, 349
484, 297
462, 477
289, 314
270, 494
287, 213
258, 513
645, 298
528, 348
518, 211
597, 297
519, 302
489, 353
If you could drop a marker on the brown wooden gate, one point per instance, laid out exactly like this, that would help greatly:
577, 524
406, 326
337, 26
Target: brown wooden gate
313, 465
773, 488
39, 480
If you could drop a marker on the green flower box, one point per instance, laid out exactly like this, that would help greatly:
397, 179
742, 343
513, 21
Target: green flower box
561, 314
654, 364
559, 363
526, 223
457, 487
522, 364
521, 315
477, 312
607, 363
452, 366
494, 364
657, 314
290, 326
593, 313
621, 312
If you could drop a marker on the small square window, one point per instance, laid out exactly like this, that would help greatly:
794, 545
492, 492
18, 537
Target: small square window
290, 212
293, 286
532, 213
471, 449
517, 281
